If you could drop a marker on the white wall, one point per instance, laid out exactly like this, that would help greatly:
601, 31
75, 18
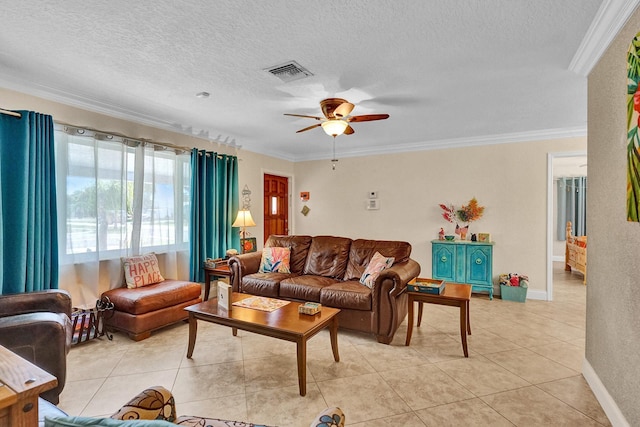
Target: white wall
510, 180
613, 292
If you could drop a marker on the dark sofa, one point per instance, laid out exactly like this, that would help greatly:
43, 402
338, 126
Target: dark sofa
327, 269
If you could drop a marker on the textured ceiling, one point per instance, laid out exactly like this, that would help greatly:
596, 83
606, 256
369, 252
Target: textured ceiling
444, 71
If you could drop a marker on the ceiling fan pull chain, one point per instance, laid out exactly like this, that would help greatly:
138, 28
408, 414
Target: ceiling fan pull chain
334, 160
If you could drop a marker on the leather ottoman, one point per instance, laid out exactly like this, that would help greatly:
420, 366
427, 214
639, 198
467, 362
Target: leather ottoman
139, 311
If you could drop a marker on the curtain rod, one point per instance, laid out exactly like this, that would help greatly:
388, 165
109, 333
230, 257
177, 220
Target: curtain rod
10, 113
146, 141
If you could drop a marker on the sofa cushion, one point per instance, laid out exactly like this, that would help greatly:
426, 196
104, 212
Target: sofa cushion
305, 288
299, 246
141, 270
348, 295
377, 263
275, 259
362, 250
263, 284
102, 422
328, 256
153, 297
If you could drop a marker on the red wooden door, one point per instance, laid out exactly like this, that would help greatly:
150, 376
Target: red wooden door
276, 205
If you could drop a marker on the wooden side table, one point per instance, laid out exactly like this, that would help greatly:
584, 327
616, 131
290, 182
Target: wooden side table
210, 273
20, 384
456, 295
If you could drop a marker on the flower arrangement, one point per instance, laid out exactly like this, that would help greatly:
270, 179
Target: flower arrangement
470, 212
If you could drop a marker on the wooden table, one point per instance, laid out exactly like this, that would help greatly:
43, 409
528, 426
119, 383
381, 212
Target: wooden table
210, 273
454, 294
284, 323
21, 382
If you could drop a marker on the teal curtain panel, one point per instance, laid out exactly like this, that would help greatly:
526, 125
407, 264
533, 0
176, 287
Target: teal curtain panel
28, 221
214, 204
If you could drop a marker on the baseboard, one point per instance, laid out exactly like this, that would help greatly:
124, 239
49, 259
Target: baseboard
609, 405
558, 258
537, 295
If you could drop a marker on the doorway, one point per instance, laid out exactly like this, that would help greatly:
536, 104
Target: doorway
276, 205
572, 163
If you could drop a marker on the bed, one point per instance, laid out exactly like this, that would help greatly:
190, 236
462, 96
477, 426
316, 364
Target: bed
576, 253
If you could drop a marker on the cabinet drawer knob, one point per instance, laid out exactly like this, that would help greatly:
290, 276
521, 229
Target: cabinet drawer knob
478, 261
443, 259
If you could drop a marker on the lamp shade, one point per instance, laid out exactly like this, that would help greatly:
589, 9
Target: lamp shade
244, 219
334, 127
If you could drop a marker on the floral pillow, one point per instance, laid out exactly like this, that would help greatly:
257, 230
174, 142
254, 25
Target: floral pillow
141, 270
377, 263
275, 260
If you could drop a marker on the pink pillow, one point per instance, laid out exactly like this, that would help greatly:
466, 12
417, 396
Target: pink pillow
275, 260
377, 264
141, 270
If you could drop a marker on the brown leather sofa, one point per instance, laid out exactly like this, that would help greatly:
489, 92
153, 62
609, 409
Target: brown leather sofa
327, 269
139, 311
37, 327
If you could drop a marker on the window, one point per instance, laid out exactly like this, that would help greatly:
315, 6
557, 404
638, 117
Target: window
117, 196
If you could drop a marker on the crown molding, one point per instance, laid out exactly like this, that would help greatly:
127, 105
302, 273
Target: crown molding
611, 17
506, 138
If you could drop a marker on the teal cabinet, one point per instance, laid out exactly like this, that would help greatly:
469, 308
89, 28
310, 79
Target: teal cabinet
463, 262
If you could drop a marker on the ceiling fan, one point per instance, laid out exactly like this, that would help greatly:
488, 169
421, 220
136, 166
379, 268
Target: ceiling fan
336, 117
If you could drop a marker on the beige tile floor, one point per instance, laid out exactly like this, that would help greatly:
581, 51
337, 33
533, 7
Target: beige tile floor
523, 369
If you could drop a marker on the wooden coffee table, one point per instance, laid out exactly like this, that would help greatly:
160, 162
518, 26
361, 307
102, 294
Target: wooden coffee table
284, 323
20, 384
457, 295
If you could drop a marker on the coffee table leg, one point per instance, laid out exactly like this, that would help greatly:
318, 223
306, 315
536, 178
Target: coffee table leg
410, 322
334, 338
193, 330
302, 366
463, 327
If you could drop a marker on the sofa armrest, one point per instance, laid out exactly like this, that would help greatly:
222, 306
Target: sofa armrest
154, 403
53, 300
242, 265
398, 276
389, 298
43, 339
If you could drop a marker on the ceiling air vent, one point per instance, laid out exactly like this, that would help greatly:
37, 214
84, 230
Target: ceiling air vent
289, 71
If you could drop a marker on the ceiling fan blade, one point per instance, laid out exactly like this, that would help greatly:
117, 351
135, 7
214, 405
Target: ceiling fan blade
368, 117
343, 110
349, 130
309, 128
302, 115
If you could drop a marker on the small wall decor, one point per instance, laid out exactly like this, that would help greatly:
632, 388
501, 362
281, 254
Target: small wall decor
304, 196
305, 210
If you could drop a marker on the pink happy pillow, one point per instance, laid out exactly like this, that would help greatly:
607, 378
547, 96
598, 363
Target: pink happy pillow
141, 270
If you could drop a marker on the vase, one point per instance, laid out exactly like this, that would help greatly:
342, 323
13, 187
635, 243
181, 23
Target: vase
462, 231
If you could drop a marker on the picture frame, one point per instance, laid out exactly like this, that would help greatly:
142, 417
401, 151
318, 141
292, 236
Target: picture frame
248, 244
484, 237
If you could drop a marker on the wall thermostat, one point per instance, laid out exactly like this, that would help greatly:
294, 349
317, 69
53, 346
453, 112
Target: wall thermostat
373, 194
373, 205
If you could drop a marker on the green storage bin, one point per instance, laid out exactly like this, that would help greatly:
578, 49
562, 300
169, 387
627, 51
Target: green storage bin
513, 293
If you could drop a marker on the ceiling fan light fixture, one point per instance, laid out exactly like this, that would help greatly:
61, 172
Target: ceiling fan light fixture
334, 127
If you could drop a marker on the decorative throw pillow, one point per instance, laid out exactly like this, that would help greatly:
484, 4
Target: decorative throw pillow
377, 263
141, 270
275, 260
